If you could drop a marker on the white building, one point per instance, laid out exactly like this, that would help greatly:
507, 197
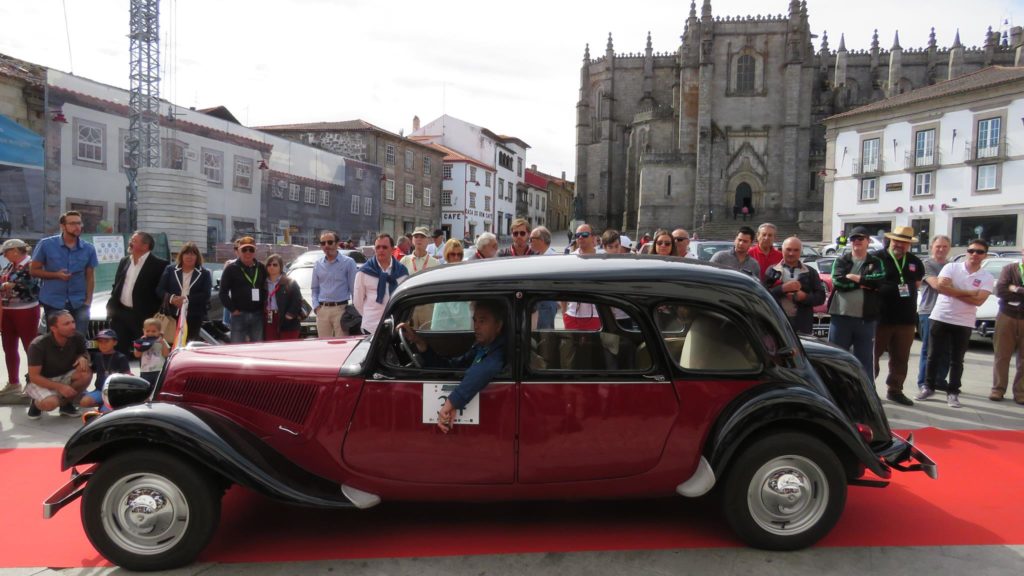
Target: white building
467, 195
537, 198
944, 159
506, 154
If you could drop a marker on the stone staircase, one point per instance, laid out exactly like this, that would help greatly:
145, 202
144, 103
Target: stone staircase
726, 229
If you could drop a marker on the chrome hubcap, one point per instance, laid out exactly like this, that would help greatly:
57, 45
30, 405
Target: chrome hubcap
788, 495
145, 514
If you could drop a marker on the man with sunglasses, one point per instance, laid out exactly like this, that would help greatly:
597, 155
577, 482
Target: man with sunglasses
334, 276
520, 235
856, 278
963, 286
582, 315
243, 291
682, 239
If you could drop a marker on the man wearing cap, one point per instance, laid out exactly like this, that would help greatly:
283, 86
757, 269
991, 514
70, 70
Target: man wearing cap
243, 291
436, 246
133, 297
765, 252
419, 259
67, 266
856, 278
520, 237
334, 276
898, 319
105, 361
1009, 336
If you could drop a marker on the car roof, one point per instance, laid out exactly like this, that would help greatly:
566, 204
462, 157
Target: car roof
551, 270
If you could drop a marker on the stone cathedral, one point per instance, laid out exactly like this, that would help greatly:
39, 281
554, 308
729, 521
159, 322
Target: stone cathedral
732, 119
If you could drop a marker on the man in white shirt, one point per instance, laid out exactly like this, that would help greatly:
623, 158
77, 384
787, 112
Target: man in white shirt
436, 247
963, 286
376, 282
582, 315
133, 297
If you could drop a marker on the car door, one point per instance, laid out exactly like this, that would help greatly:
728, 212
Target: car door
593, 402
394, 434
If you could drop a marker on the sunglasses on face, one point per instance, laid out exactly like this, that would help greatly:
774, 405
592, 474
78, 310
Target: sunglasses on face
452, 255
857, 238
519, 233
247, 249
327, 242
663, 243
583, 234
976, 251
680, 238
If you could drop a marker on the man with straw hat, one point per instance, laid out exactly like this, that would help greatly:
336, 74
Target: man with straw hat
898, 320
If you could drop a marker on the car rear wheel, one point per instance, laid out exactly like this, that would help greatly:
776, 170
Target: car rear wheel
146, 510
784, 492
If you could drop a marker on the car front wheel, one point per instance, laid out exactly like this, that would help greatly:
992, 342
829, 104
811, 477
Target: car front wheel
146, 510
784, 492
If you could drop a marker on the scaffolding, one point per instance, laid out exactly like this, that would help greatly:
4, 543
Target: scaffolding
144, 98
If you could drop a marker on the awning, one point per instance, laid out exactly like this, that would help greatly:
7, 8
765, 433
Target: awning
19, 146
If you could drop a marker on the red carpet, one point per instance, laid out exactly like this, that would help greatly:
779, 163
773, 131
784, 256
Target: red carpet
961, 508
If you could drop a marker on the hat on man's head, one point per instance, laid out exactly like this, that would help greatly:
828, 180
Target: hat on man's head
859, 231
421, 231
902, 233
12, 243
625, 242
106, 334
437, 233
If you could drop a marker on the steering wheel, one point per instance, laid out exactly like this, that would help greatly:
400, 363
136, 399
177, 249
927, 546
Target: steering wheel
410, 350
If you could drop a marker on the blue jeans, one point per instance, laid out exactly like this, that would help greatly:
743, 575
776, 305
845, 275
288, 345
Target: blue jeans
942, 362
247, 327
546, 311
81, 315
848, 331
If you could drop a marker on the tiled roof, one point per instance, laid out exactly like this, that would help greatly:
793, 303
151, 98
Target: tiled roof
984, 78
27, 71
342, 126
535, 179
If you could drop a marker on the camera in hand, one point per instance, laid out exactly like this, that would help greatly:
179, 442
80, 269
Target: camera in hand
144, 343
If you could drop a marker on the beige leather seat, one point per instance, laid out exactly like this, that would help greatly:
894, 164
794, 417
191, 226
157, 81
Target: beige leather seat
714, 343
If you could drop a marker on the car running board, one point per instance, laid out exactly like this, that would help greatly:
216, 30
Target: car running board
702, 481
360, 499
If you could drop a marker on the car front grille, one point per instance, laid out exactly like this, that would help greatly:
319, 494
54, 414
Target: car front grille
286, 400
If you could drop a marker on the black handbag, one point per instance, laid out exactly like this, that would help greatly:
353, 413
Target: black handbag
352, 320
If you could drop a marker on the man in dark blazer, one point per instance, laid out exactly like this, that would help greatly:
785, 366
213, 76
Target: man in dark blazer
134, 296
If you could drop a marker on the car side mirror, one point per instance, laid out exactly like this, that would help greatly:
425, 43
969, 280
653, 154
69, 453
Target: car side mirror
389, 325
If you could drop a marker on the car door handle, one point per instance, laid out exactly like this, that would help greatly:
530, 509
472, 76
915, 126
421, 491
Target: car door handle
379, 376
655, 377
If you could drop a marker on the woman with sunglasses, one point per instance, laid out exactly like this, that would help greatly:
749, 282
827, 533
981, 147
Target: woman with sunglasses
284, 303
186, 281
663, 244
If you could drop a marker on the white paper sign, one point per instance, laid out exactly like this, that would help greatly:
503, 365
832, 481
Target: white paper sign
434, 396
108, 248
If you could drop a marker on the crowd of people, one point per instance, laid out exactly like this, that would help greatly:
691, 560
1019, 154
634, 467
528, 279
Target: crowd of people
880, 300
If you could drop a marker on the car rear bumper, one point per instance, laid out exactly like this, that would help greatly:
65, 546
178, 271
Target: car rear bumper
67, 493
903, 456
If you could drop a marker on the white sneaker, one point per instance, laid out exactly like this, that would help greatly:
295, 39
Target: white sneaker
925, 393
953, 400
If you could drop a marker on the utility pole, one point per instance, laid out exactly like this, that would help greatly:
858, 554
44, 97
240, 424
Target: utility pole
144, 97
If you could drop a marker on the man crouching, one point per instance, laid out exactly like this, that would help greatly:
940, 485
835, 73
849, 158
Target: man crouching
58, 367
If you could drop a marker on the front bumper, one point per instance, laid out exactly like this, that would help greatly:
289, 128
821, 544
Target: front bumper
67, 493
902, 455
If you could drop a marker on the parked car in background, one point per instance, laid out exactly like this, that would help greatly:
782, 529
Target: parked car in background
310, 257
830, 249
807, 254
694, 380
985, 322
704, 249
822, 319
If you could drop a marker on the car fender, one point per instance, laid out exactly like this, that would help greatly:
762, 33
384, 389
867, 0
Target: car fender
212, 441
778, 405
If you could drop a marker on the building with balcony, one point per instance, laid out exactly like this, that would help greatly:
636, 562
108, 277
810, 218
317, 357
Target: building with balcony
945, 159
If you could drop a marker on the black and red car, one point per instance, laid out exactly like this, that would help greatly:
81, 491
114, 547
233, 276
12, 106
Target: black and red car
693, 382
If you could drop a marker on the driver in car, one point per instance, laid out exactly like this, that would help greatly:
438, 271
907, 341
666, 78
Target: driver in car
482, 362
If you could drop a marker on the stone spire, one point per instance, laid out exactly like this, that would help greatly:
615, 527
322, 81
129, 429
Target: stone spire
803, 9
586, 53
824, 41
705, 11
931, 40
650, 47
840, 76
874, 41
875, 81
842, 42
609, 47
794, 7
933, 57
693, 9
991, 43
895, 67
956, 58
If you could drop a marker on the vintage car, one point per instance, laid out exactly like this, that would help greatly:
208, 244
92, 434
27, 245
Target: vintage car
692, 381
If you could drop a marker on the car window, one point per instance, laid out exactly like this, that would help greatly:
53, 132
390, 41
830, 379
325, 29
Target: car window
445, 325
704, 340
585, 336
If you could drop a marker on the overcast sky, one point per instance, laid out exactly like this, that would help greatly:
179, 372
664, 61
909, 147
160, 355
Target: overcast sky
514, 69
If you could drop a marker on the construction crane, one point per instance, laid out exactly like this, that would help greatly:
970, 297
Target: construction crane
144, 97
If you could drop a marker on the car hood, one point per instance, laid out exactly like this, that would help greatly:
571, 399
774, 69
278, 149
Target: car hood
321, 357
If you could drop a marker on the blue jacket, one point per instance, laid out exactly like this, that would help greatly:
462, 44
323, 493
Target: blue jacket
482, 364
